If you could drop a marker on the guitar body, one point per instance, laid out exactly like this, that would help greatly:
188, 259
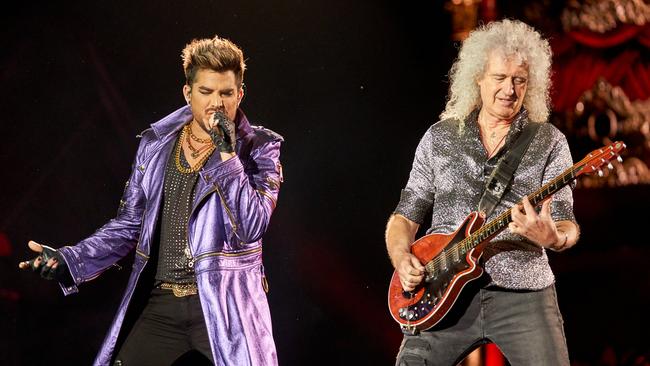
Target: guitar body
425, 306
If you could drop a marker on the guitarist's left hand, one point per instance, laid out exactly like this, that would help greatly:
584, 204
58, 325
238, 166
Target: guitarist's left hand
538, 228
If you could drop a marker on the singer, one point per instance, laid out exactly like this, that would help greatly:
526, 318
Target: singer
201, 192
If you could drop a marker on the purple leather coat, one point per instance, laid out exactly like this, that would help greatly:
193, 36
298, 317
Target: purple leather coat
233, 205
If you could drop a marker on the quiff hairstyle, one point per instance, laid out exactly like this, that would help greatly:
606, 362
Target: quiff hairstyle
218, 54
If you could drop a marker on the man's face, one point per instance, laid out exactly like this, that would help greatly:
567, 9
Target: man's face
503, 86
212, 91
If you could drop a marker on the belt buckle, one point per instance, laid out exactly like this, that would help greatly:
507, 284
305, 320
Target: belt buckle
181, 290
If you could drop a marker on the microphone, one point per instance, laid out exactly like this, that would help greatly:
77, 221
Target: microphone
222, 131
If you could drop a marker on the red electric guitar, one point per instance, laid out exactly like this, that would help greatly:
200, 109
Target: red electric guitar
451, 260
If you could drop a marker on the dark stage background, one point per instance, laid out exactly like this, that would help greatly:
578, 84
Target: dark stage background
351, 85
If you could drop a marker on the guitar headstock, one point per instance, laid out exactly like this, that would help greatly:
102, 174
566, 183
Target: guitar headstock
595, 160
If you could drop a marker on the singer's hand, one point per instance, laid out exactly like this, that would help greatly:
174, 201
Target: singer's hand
222, 131
48, 264
214, 119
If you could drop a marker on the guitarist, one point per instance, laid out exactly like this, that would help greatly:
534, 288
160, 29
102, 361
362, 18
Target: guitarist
499, 84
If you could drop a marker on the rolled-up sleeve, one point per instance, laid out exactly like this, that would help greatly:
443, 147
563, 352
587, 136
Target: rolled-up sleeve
417, 197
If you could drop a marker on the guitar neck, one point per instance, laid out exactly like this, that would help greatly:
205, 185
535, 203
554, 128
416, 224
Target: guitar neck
494, 227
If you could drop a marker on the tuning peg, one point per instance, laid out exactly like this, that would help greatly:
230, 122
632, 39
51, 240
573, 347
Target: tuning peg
600, 173
619, 159
610, 166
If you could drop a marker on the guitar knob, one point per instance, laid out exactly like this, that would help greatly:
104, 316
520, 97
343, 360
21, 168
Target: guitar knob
610, 166
619, 159
600, 173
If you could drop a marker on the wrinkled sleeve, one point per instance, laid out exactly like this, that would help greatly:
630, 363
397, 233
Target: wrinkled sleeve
416, 198
249, 196
110, 243
558, 161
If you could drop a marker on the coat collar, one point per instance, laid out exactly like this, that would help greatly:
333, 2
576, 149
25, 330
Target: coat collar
173, 122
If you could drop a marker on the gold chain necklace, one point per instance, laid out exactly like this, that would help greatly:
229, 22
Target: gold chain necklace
196, 152
195, 138
198, 164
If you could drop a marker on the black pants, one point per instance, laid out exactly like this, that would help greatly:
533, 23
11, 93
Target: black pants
170, 330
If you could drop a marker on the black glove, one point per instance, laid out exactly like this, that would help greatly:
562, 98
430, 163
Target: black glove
223, 133
60, 273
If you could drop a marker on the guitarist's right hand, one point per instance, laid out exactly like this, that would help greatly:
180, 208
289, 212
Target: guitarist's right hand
410, 271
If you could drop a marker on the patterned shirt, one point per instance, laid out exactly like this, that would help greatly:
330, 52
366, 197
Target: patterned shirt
178, 196
449, 174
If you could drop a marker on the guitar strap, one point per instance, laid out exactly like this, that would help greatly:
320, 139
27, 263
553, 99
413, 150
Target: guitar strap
501, 176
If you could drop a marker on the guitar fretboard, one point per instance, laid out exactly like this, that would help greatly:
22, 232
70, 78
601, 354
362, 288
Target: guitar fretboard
458, 250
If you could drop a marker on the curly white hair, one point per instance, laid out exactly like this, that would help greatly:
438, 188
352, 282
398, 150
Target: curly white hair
512, 38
